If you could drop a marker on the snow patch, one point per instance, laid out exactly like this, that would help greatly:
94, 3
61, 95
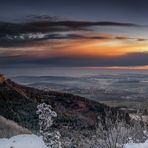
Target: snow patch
137, 145
23, 141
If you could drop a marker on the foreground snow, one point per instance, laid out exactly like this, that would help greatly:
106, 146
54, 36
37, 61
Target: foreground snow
137, 145
33, 141
23, 141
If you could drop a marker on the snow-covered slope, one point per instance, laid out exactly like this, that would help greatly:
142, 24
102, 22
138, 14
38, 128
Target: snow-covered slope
23, 141
9, 128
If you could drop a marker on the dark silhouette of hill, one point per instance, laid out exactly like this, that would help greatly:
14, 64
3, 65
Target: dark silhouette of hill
18, 103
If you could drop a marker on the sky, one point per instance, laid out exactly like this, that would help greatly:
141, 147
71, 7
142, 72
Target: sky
80, 33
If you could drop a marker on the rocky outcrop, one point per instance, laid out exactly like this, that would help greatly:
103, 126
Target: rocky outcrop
2, 78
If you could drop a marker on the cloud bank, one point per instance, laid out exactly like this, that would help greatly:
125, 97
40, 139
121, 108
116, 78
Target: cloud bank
49, 35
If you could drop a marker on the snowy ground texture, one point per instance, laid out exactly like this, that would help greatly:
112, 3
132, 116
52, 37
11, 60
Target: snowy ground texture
33, 141
23, 141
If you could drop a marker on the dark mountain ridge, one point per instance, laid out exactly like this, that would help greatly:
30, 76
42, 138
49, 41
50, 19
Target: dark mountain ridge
18, 103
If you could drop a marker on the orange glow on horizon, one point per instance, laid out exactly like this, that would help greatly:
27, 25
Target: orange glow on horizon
102, 48
145, 67
81, 47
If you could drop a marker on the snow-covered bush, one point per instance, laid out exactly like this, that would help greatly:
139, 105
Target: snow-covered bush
50, 136
114, 134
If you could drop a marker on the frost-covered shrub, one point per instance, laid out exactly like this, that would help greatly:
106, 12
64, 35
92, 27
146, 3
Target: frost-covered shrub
114, 134
50, 136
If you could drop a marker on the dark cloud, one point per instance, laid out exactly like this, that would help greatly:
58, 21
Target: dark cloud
141, 39
48, 28
132, 59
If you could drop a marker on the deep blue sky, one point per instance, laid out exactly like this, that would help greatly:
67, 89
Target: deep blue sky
109, 10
